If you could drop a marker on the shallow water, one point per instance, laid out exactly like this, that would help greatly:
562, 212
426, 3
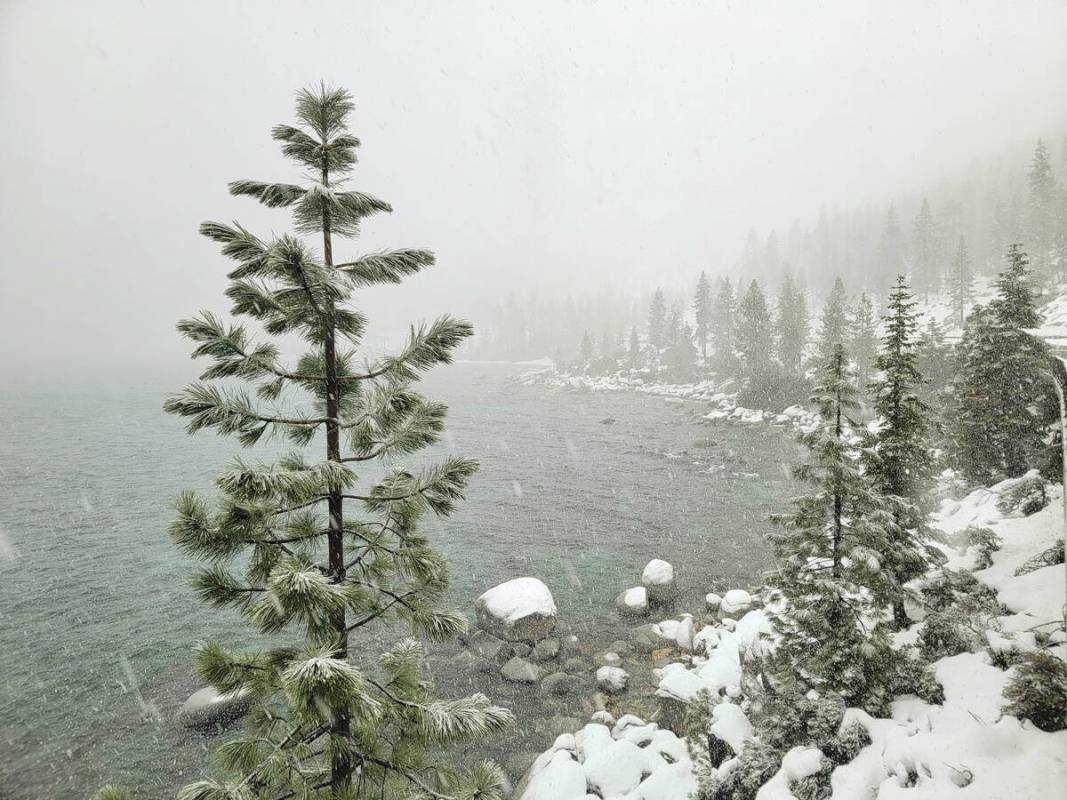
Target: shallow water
97, 618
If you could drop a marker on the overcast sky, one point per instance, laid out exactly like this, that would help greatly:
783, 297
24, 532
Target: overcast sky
558, 145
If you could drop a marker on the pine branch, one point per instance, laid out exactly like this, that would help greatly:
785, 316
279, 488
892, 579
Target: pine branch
388, 266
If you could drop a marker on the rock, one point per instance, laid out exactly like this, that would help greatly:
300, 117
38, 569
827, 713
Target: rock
661, 658
521, 649
562, 777
208, 708
560, 683
488, 647
633, 602
613, 768
736, 603
574, 664
603, 717
706, 640
620, 647
600, 701
569, 645
612, 680
611, 659
518, 610
658, 578
466, 661
729, 624
518, 670
545, 650
712, 601
644, 638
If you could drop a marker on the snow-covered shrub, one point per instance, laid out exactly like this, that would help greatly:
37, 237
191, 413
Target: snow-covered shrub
814, 787
1024, 496
944, 633
916, 676
986, 542
1038, 691
758, 764
1046, 558
792, 719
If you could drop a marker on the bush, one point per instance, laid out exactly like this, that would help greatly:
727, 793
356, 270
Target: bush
915, 676
758, 764
986, 542
944, 633
1024, 496
1038, 691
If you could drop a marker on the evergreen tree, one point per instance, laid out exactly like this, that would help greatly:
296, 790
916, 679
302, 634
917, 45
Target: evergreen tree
754, 335
962, 281
829, 552
702, 310
681, 356
833, 328
657, 323
1005, 394
792, 326
585, 350
318, 723
674, 326
935, 361
634, 354
898, 456
722, 331
1041, 211
924, 250
890, 250
864, 339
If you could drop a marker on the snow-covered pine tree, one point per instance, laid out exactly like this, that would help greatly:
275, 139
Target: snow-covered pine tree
657, 324
863, 340
962, 281
722, 327
702, 311
681, 357
897, 456
791, 326
924, 250
634, 353
585, 350
1041, 212
280, 547
833, 327
829, 556
1005, 397
753, 334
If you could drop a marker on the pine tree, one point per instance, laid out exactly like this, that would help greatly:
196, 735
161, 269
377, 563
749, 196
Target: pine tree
634, 353
297, 574
962, 281
722, 331
829, 552
681, 356
585, 350
657, 323
753, 334
898, 455
791, 326
924, 250
1005, 394
1041, 211
833, 328
703, 312
864, 339
890, 248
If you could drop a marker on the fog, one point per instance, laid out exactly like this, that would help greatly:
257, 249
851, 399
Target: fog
551, 146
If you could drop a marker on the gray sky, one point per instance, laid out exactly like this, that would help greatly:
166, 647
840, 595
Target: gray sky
560, 145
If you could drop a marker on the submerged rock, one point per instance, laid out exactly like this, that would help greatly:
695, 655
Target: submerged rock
518, 670
208, 708
545, 650
560, 683
490, 648
518, 610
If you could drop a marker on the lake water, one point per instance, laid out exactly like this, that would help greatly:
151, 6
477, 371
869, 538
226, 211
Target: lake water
97, 618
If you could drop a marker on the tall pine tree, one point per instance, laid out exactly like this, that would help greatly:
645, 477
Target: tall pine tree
702, 311
962, 281
833, 327
829, 553
754, 334
657, 323
863, 339
791, 326
898, 455
722, 330
1041, 211
1005, 397
311, 552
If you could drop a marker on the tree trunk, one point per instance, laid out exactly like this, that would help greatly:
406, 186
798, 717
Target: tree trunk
341, 768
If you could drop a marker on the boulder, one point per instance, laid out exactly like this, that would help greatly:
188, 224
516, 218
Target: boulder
574, 664
490, 648
519, 670
611, 659
521, 649
658, 578
620, 647
644, 638
736, 603
603, 717
560, 683
712, 601
545, 650
208, 708
519, 610
633, 602
612, 680
569, 645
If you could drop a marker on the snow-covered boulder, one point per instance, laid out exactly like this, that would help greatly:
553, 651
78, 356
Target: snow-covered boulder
658, 578
633, 602
706, 640
678, 632
612, 680
730, 725
521, 609
712, 601
735, 603
207, 707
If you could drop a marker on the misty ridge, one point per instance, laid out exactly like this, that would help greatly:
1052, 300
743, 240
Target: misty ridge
556, 401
